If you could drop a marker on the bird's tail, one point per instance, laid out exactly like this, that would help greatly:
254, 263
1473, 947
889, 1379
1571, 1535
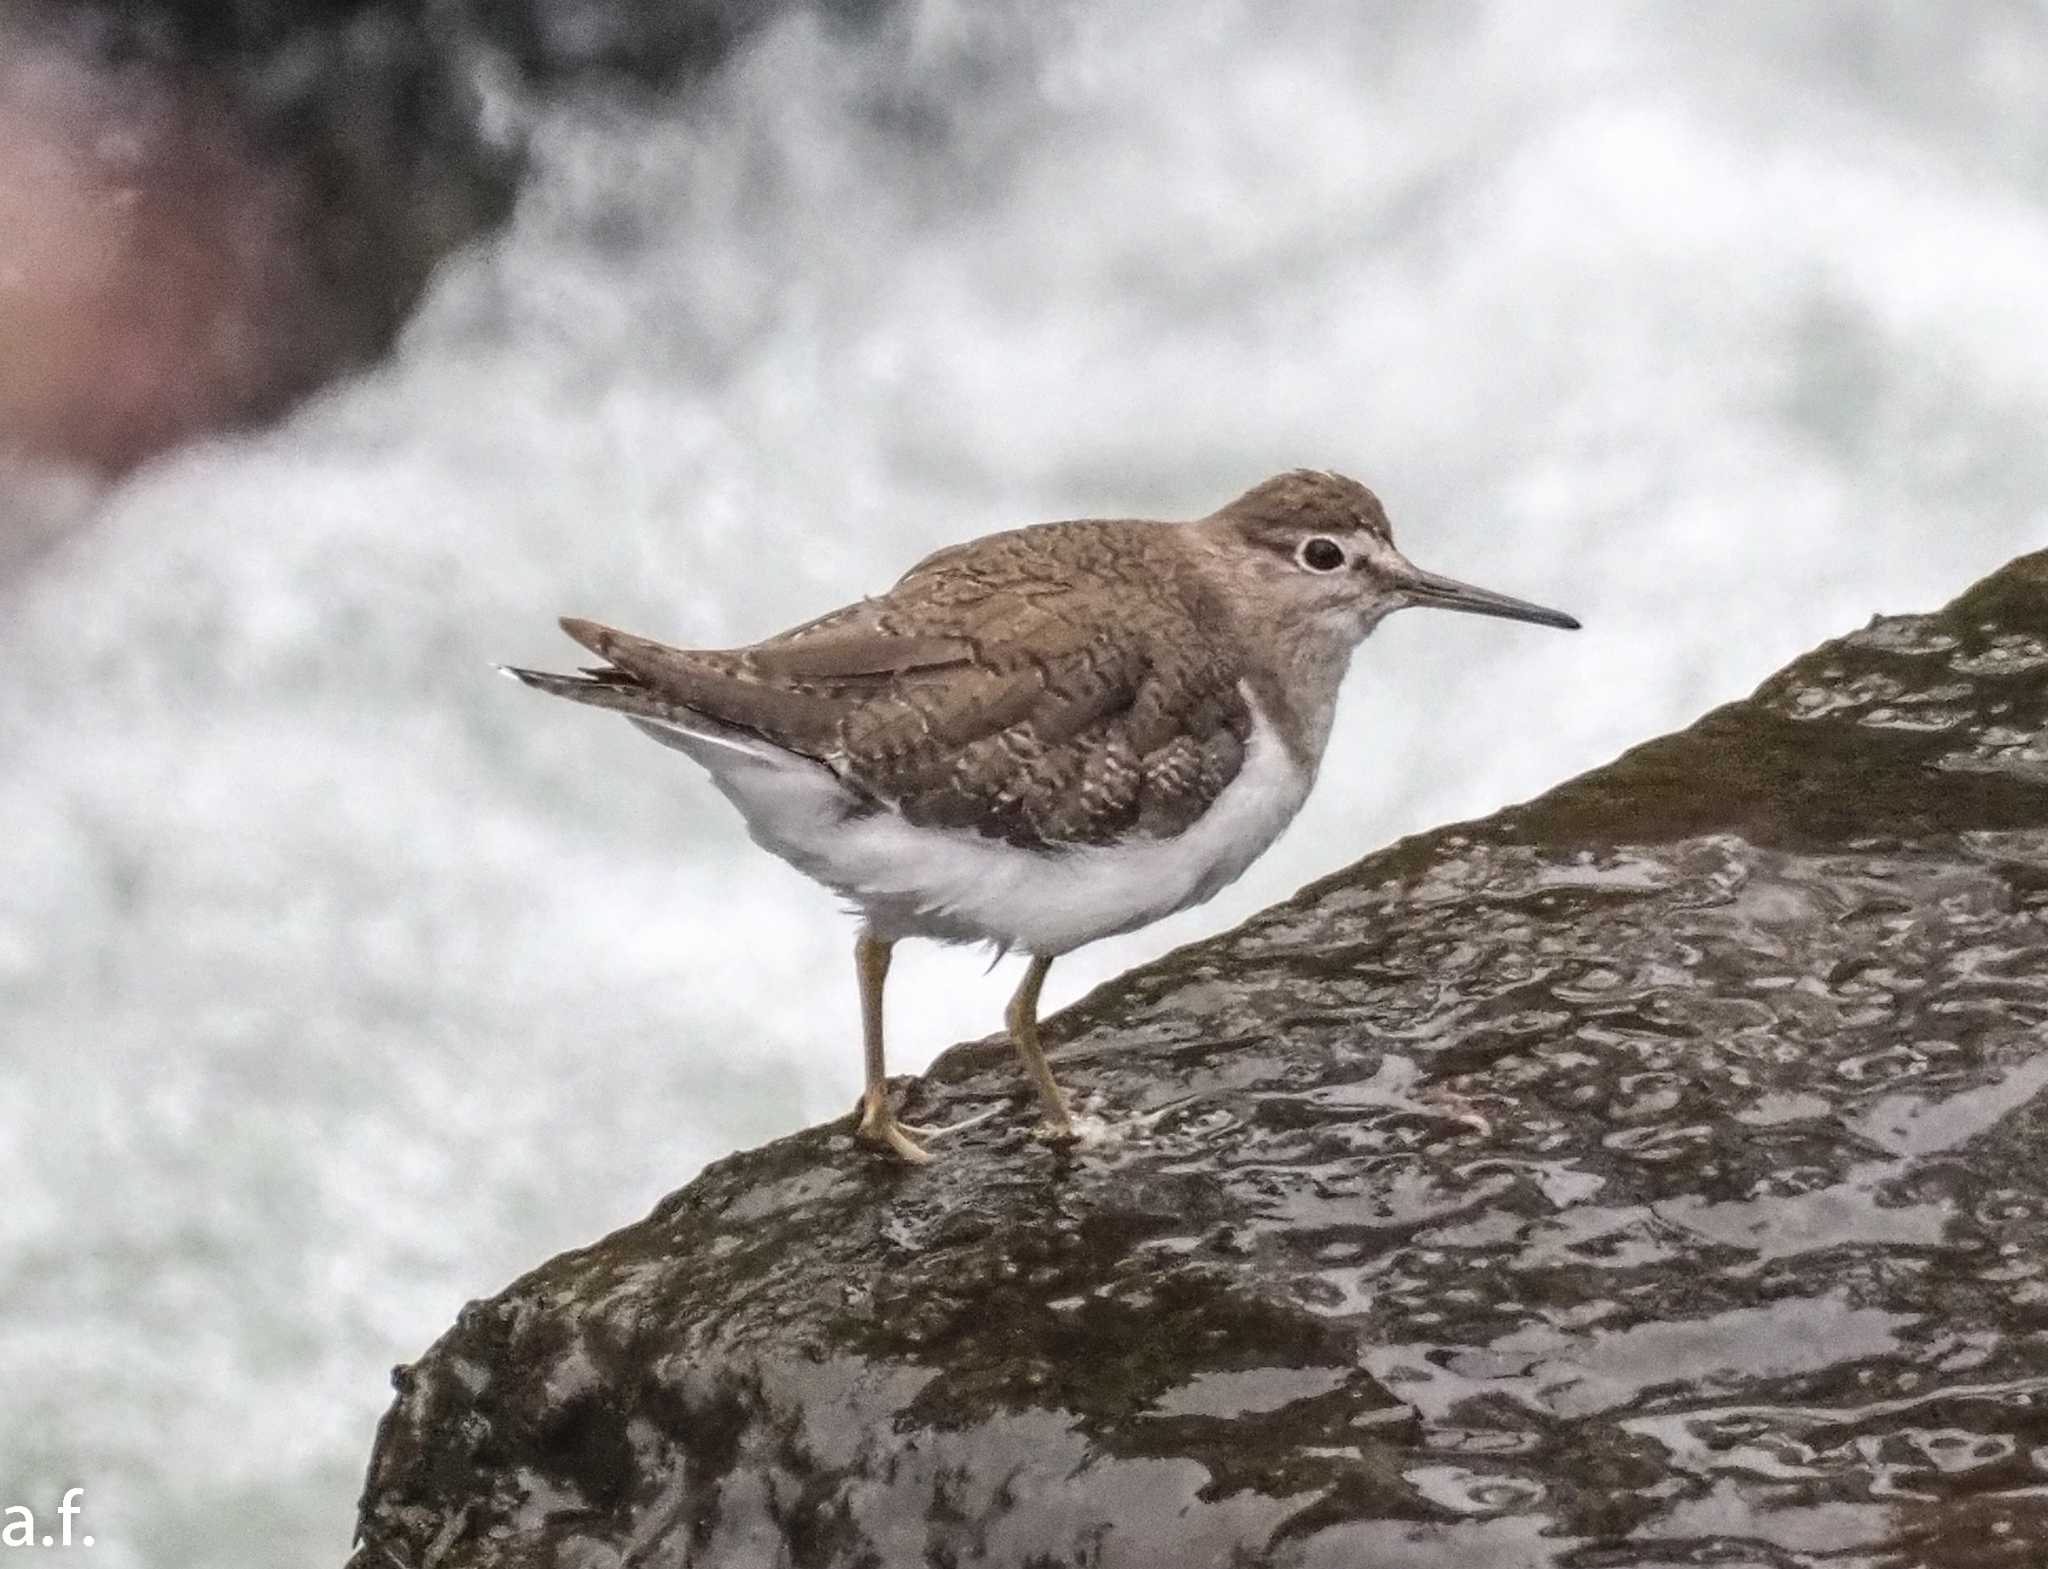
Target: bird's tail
602, 686
612, 689
671, 723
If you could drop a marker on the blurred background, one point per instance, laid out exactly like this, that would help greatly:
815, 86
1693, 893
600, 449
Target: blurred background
344, 345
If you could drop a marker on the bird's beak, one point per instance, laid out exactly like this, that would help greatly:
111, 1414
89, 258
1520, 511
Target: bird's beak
1418, 587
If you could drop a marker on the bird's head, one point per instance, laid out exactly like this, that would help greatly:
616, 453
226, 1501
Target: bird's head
1317, 546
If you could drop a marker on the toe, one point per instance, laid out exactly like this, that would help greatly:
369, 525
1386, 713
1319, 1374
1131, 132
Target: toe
884, 1130
906, 1149
925, 1130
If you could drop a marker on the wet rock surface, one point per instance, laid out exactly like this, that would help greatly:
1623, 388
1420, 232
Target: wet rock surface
1652, 1174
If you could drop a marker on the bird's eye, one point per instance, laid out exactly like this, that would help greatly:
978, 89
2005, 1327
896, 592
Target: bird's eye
1320, 554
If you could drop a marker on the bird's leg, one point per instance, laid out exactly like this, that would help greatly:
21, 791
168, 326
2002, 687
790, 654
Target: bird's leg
1022, 1018
878, 1123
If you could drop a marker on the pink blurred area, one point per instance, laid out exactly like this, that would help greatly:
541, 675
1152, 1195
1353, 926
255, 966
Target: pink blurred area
156, 279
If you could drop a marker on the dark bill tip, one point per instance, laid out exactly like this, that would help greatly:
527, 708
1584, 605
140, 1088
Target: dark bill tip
1443, 593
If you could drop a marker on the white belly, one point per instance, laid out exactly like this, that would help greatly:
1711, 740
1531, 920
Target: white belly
957, 886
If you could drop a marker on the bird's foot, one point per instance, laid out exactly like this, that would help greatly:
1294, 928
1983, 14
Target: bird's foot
926, 1130
878, 1125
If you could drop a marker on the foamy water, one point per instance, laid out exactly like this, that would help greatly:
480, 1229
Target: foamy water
340, 980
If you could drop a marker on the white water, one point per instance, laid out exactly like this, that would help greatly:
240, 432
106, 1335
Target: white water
340, 980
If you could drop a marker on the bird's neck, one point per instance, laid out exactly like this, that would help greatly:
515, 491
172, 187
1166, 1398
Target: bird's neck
1296, 683
1292, 666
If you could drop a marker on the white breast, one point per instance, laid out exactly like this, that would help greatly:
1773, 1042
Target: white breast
957, 886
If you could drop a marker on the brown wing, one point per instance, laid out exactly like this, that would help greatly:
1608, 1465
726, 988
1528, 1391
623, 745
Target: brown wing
979, 694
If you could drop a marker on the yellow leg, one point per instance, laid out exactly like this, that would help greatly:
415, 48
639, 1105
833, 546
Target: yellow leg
878, 1124
1022, 1018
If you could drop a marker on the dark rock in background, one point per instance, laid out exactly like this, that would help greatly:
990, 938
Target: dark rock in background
1653, 1173
206, 213
648, 43
557, 43
209, 210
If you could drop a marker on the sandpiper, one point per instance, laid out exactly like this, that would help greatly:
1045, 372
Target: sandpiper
1044, 736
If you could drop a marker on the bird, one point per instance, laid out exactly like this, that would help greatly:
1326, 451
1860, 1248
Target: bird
1041, 737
